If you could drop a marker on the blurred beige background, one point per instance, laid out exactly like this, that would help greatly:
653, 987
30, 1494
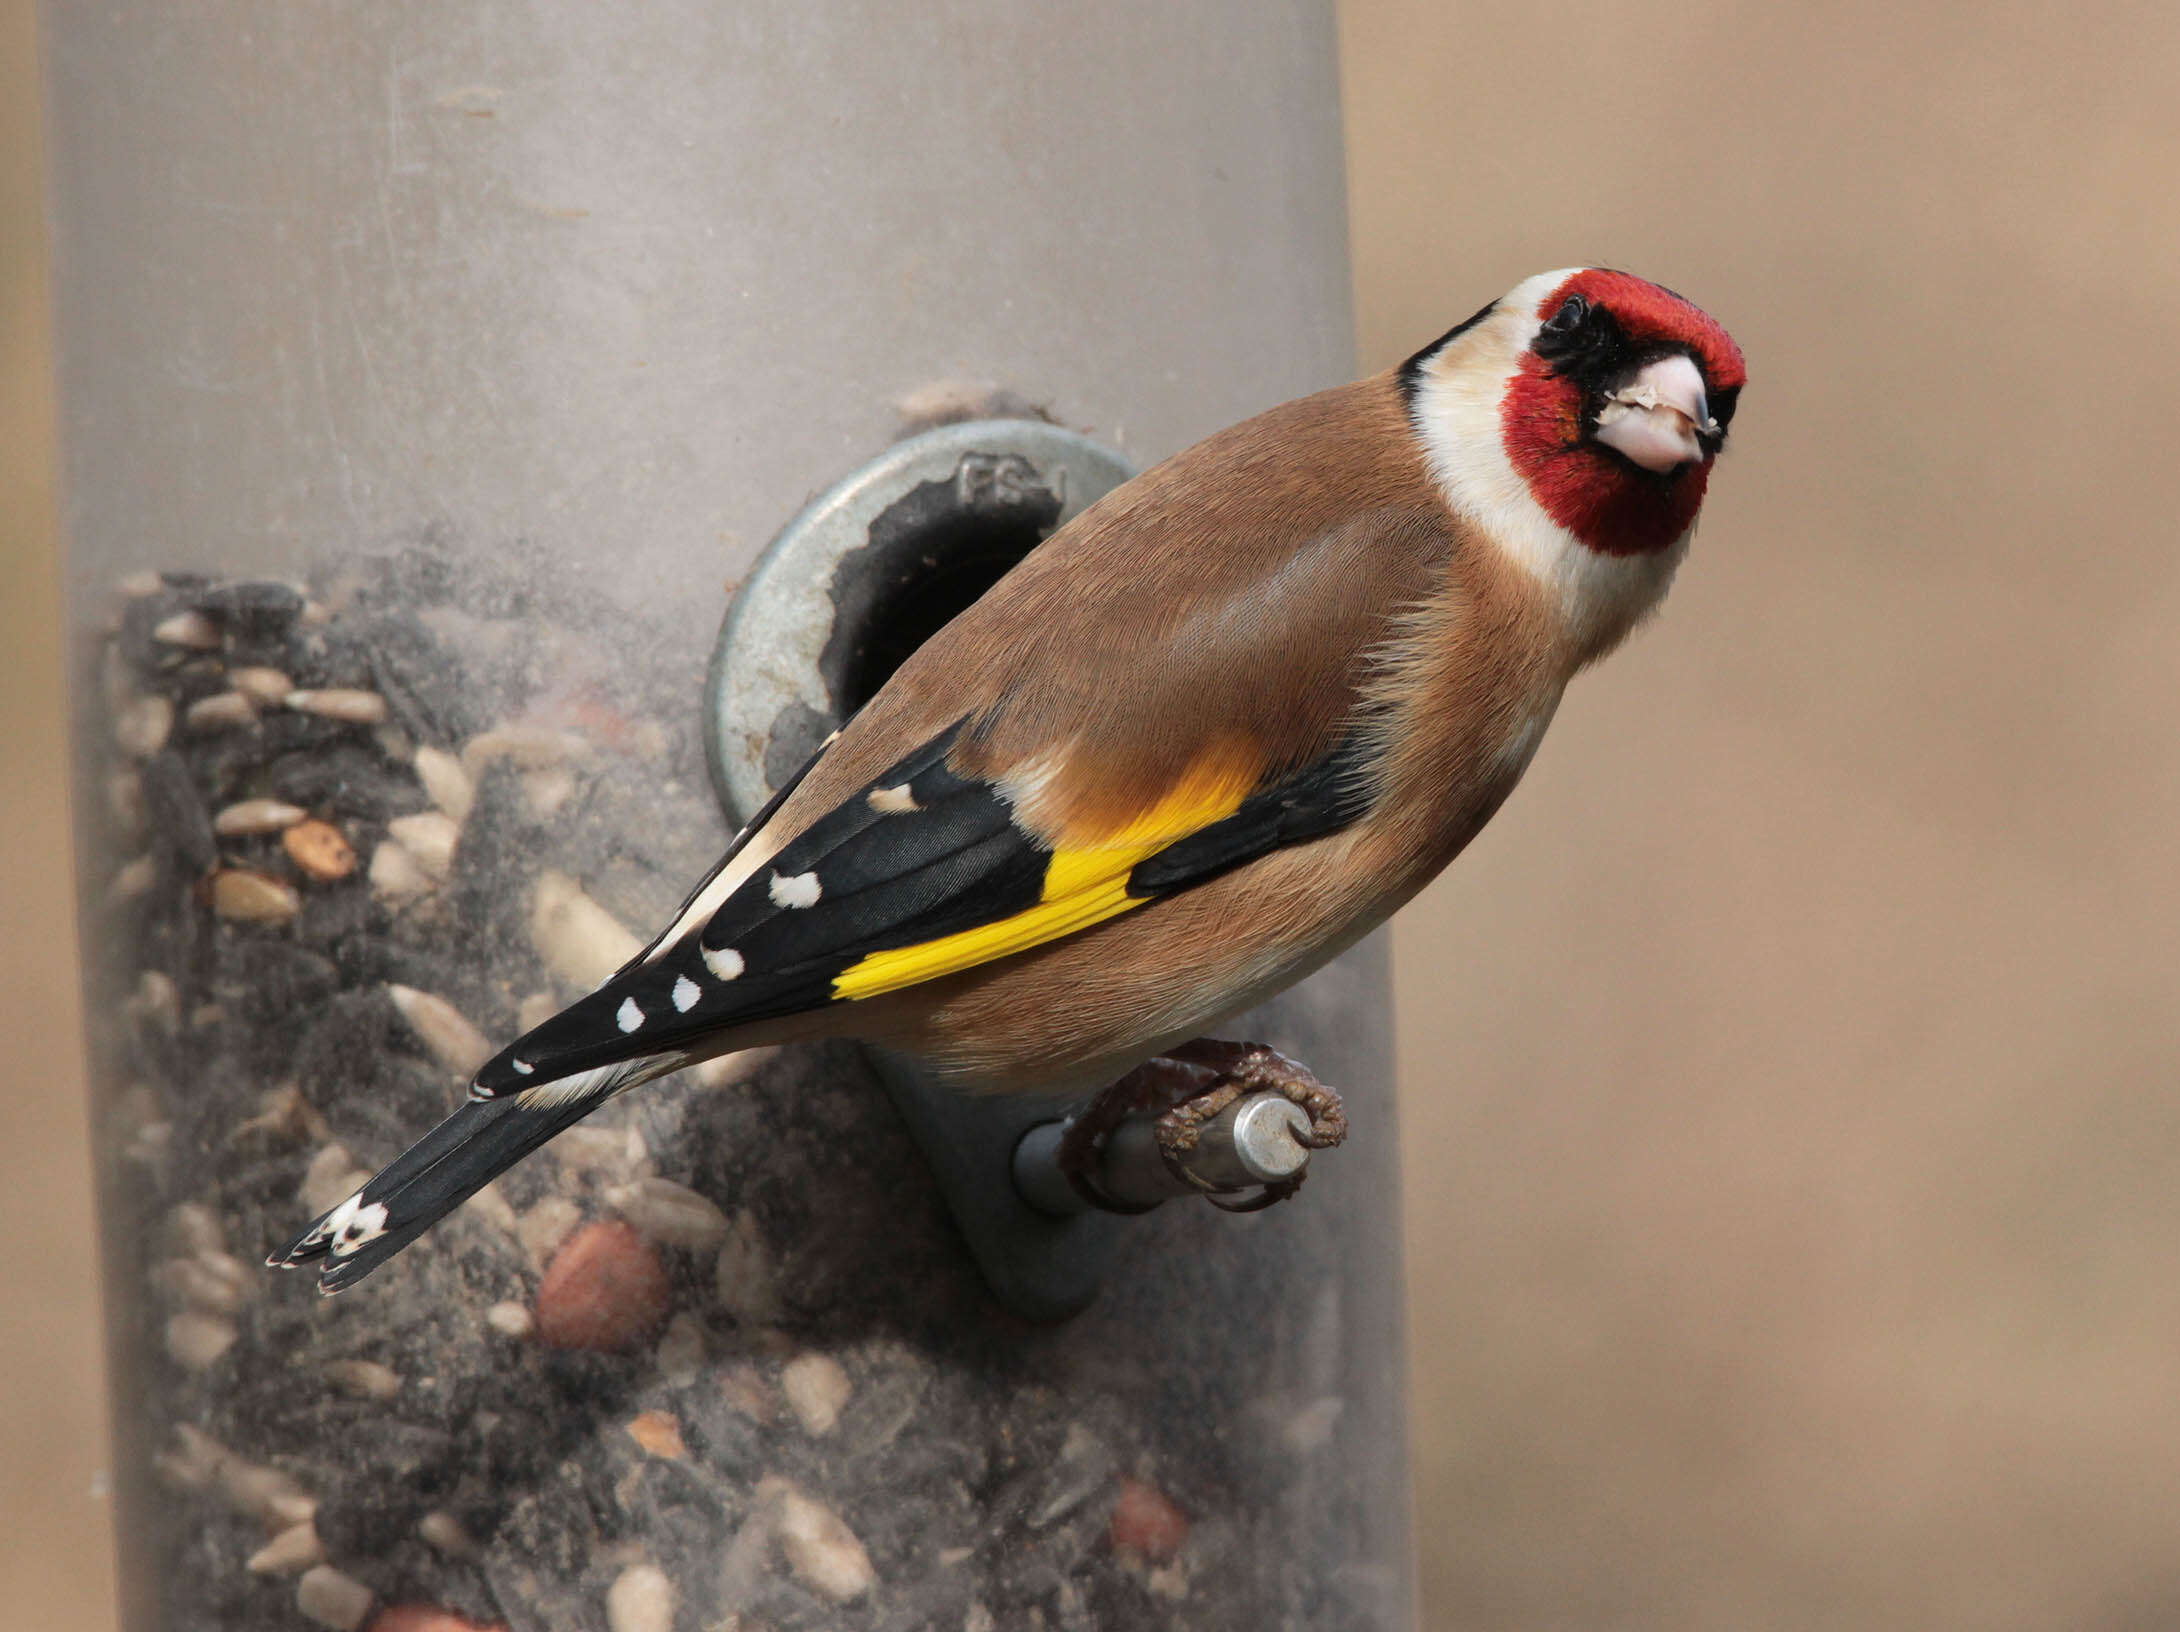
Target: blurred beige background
1789, 1074
55, 1564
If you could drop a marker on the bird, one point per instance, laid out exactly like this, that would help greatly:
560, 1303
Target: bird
1203, 738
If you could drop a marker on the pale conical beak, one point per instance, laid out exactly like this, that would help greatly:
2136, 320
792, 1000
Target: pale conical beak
1658, 419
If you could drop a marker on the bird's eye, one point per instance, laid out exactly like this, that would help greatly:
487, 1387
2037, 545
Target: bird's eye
1569, 317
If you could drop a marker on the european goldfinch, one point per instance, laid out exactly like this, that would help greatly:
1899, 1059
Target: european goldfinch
1205, 737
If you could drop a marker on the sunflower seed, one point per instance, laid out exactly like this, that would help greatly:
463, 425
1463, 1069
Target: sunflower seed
190, 629
641, 1599
669, 1213
430, 836
816, 1387
248, 897
446, 781
527, 747
331, 1178
295, 1548
396, 874
547, 1224
580, 941
132, 880
444, 1029
743, 1273
211, 1282
266, 686
364, 1379
125, 801
333, 1599
222, 711
820, 1547
732, 1070
196, 1228
196, 1340
680, 1354
143, 724
345, 703
193, 1462
253, 816
545, 792
592, 1150
157, 1001
443, 1532
489, 1205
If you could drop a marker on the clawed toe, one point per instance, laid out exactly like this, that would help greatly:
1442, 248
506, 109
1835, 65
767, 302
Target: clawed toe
1191, 1087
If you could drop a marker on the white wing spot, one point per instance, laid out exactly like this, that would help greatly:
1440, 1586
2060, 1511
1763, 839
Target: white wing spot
799, 891
724, 962
628, 1017
522, 1066
685, 994
892, 801
362, 1226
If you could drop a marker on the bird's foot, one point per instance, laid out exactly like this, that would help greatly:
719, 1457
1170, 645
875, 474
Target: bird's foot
1190, 1086
1243, 1069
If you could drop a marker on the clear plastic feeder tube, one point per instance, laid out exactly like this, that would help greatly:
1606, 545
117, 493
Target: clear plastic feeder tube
431, 375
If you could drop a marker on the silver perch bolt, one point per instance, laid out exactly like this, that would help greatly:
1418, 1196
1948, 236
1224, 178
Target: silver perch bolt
1254, 1141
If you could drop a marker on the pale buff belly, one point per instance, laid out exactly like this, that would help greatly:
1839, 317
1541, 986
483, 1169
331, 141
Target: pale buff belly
1072, 1016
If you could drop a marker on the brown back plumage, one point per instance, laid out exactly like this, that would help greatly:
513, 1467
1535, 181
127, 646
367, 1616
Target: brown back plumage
1180, 618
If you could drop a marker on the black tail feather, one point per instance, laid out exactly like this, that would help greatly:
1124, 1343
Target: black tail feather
480, 1141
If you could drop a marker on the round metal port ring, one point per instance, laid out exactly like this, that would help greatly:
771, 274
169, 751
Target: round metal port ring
766, 703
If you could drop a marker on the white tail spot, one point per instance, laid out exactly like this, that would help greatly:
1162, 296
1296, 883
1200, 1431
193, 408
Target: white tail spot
360, 1225
628, 1017
724, 962
685, 994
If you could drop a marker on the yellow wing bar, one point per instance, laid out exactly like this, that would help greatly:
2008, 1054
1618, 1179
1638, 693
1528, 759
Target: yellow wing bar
1083, 885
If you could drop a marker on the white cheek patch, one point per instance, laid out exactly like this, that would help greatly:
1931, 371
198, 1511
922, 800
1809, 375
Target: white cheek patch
1459, 402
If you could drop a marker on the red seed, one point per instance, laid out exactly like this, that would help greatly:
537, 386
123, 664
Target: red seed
659, 1433
425, 1618
604, 1289
319, 849
1146, 1523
